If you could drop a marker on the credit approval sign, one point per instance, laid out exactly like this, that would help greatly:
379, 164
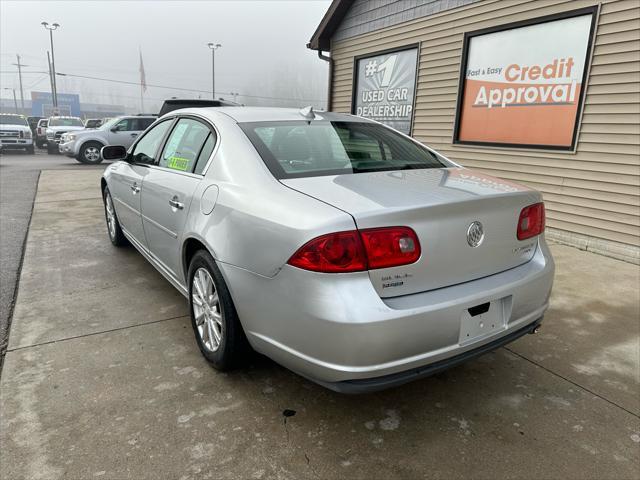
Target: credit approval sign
385, 86
523, 84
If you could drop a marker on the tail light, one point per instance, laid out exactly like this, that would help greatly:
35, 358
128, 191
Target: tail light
358, 250
390, 247
531, 221
332, 253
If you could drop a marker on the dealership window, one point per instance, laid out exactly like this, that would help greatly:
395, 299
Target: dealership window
522, 84
385, 87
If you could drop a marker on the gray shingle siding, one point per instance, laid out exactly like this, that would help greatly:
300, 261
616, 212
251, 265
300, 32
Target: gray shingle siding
369, 15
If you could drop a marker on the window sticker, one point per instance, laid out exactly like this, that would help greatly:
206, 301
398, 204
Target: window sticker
178, 163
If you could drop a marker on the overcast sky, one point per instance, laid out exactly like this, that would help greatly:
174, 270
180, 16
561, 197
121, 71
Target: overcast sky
263, 51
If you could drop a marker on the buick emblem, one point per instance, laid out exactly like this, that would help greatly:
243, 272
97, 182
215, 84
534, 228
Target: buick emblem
475, 234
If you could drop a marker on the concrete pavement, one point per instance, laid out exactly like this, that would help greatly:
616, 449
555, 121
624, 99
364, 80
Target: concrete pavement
19, 173
103, 379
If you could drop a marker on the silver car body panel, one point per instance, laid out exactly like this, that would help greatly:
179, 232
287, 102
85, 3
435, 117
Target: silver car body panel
340, 327
343, 330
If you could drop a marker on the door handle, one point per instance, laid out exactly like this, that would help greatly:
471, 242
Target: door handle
176, 204
135, 188
134, 134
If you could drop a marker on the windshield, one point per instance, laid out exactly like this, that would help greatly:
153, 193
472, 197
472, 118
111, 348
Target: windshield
300, 149
13, 120
65, 122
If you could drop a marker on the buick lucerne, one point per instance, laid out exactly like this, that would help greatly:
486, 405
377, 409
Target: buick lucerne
342, 249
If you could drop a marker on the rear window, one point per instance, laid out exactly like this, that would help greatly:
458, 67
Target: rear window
303, 149
65, 122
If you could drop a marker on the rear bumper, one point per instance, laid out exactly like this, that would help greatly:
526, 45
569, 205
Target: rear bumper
336, 330
368, 385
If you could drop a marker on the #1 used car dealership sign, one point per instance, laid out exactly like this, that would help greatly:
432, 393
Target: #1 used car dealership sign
522, 85
385, 87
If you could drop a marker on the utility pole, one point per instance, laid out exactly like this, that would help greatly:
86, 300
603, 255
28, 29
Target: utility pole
53, 62
19, 65
53, 88
213, 47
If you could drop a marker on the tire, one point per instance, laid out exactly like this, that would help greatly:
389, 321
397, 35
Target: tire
30, 149
90, 153
221, 316
113, 229
52, 150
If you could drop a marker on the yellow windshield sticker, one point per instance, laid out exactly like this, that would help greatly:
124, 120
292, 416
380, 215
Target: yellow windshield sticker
178, 163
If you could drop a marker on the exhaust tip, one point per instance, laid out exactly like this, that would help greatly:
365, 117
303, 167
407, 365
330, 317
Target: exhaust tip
535, 330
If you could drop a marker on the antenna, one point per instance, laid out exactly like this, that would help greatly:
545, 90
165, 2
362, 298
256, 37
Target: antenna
308, 113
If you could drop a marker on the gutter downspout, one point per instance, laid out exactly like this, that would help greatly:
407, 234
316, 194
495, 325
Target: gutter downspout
329, 60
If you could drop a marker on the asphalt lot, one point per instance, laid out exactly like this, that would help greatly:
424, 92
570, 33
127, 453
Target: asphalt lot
19, 173
103, 379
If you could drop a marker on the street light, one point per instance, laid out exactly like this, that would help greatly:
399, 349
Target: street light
213, 47
15, 101
51, 28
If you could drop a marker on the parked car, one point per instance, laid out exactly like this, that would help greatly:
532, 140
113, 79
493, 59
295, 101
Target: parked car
178, 103
93, 122
85, 146
15, 133
339, 247
41, 133
57, 126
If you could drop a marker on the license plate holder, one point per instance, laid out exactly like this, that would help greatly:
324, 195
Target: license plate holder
482, 320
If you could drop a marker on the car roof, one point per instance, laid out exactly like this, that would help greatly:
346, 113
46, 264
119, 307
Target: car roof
268, 114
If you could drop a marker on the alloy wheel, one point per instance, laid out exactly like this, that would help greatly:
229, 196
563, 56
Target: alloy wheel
207, 309
92, 154
111, 216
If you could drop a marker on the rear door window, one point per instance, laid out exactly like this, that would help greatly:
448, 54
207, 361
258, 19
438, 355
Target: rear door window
205, 153
184, 145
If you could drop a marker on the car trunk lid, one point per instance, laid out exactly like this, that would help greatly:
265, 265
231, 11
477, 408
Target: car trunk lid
440, 205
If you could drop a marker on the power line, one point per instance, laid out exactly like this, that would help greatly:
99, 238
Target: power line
38, 81
181, 88
13, 72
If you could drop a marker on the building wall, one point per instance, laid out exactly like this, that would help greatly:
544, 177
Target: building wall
366, 16
592, 195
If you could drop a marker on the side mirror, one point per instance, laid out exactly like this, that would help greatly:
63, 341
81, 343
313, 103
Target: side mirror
114, 129
114, 152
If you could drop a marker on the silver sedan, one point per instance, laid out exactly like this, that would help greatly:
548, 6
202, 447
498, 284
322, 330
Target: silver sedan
342, 249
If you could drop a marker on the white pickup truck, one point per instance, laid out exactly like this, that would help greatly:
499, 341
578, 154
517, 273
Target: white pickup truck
15, 133
57, 127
